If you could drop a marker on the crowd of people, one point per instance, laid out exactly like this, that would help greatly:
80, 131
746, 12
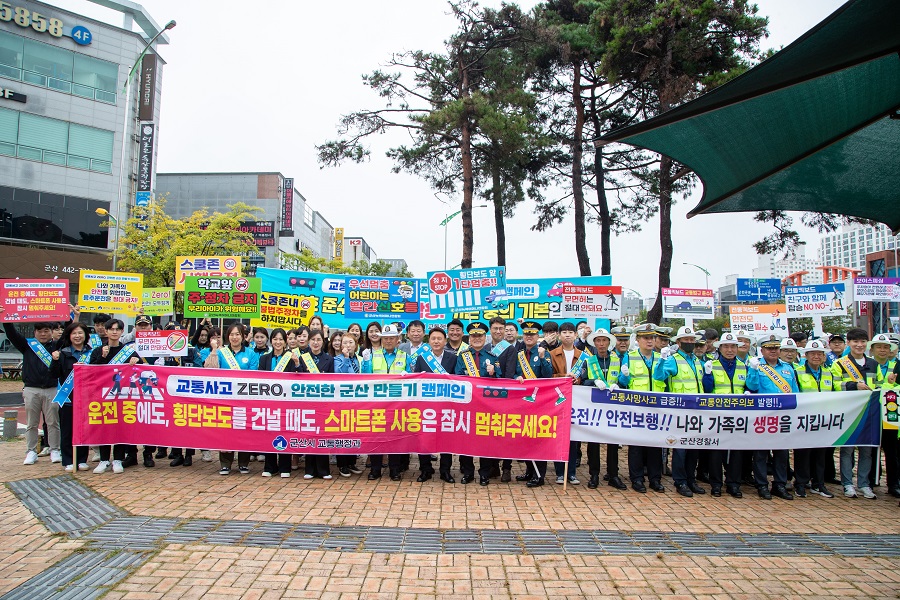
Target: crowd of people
645, 358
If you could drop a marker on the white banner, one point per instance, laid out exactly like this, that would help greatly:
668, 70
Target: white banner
726, 422
171, 342
680, 303
759, 319
876, 289
811, 300
590, 301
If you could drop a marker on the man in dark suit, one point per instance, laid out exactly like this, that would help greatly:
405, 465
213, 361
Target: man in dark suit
435, 360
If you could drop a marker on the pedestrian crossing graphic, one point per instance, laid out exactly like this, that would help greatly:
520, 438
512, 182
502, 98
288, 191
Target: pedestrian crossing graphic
460, 298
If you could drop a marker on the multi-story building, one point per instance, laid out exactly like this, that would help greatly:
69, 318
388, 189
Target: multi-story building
356, 248
71, 142
849, 246
397, 265
770, 267
286, 222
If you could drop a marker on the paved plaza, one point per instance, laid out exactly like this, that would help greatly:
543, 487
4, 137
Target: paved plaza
187, 532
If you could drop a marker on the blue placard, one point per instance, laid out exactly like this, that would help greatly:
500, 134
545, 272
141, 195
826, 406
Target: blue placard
390, 298
758, 290
82, 35
142, 199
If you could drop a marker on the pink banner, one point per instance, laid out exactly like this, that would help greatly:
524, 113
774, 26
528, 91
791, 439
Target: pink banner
34, 300
256, 411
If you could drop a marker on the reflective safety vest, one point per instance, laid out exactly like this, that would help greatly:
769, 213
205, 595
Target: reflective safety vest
806, 381
881, 380
686, 380
642, 378
379, 364
724, 385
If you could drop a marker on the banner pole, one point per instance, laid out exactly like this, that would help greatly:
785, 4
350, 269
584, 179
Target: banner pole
566, 476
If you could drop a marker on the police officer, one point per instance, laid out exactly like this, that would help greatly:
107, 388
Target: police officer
809, 463
604, 368
475, 361
387, 359
725, 375
533, 362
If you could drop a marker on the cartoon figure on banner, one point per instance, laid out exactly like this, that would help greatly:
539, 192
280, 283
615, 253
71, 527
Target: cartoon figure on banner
148, 382
611, 303
837, 303
133, 386
406, 291
776, 321
117, 384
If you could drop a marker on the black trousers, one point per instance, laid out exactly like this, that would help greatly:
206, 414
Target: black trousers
541, 469
890, 447
277, 463
684, 466
65, 438
612, 459
395, 463
809, 466
317, 465
640, 457
176, 452
780, 467
345, 460
118, 452
733, 467
467, 465
227, 458
426, 465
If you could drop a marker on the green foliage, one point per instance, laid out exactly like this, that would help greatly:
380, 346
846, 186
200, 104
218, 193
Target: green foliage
307, 261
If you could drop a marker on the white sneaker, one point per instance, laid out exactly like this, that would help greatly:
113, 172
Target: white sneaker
849, 491
285, 475
252, 458
102, 467
328, 477
95, 457
206, 456
261, 457
867, 493
69, 468
307, 476
574, 480
266, 474
30, 458
55, 456
83, 466
560, 480
117, 467
45, 451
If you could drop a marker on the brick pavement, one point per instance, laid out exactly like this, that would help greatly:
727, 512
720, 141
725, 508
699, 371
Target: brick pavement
211, 571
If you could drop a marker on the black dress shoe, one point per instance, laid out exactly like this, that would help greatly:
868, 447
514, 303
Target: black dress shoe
495, 472
188, 461
177, 462
484, 480
506, 477
716, 492
782, 493
130, 461
467, 479
148, 461
606, 477
616, 482
697, 489
639, 487
161, 453
702, 478
684, 490
764, 493
537, 482
523, 477
374, 475
734, 491
447, 477
424, 477
657, 487
594, 482
396, 476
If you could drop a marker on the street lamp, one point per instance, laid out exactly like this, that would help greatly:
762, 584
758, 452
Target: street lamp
127, 89
102, 212
444, 224
705, 272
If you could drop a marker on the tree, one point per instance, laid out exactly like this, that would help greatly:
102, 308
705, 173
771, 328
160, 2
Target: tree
786, 239
674, 50
305, 260
151, 240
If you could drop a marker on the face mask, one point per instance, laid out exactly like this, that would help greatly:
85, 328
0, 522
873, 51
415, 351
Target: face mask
688, 348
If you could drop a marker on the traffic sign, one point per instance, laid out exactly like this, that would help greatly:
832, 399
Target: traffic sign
758, 290
439, 283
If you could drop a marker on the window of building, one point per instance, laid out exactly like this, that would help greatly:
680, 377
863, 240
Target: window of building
33, 137
53, 67
52, 218
307, 215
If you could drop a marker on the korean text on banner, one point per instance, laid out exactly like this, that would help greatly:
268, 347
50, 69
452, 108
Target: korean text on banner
758, 290
587, 301
222, 297
688, 303
158, 301
466, 289
323, 414
170, 342
110, 292
759, 319
205, 266
876, 289
726, 422
34, 300
387, 298
289, 299
813, 300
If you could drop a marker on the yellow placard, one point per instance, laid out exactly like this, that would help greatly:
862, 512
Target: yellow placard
287, 311
205, 266
110, 292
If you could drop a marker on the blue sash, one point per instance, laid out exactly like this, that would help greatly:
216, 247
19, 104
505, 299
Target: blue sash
122, 355
498, 348
40, 351
62, 394
95, 341
432, 362
579, 362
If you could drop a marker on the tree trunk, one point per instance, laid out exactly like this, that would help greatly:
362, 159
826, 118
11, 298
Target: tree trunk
665, 235
603, 209
497, 194
584, 261
465, 148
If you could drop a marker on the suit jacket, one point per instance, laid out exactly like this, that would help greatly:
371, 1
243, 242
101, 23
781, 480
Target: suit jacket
558, 360
448, 361
265, 363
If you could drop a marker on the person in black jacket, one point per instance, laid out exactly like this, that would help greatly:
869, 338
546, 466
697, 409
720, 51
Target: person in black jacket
275, 360
437, 340
317, 464
74, 348
40, 387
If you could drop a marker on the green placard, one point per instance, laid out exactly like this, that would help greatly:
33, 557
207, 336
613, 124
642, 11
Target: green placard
222, 297
158, 301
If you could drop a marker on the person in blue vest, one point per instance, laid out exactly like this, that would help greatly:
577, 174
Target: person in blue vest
386, 359
771, 376
435, 360
475, 361
683, 374
533, 362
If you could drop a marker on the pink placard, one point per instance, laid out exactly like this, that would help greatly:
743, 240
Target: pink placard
34, 300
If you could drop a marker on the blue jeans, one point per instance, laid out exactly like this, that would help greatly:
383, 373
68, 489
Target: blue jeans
560, 466
863, 467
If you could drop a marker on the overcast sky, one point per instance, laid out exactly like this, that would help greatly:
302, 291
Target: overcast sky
254, 86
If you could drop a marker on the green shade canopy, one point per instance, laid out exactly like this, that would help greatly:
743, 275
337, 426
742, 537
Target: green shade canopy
814, 128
